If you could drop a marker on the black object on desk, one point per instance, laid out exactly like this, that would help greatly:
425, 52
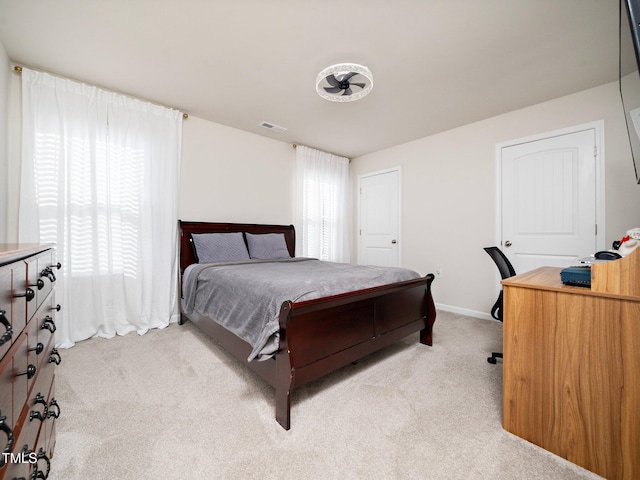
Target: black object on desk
607, 255
577, 276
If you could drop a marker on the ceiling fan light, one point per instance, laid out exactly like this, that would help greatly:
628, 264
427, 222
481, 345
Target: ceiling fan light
363, 75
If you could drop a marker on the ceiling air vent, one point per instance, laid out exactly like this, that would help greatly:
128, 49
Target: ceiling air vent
271, 126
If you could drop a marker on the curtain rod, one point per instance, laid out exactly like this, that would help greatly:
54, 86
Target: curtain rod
295, 145
185, 115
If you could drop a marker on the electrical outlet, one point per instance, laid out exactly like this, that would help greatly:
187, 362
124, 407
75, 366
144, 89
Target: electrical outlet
439, 273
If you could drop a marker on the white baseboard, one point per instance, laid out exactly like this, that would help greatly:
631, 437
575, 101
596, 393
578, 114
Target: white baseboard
464, 311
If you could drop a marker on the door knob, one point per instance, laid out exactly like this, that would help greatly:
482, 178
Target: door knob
507, 243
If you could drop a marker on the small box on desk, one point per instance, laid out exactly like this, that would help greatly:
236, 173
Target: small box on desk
577, 276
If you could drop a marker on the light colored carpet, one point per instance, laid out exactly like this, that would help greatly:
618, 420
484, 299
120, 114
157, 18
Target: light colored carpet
172, 405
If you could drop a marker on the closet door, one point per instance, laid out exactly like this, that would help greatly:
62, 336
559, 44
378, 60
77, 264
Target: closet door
549, 200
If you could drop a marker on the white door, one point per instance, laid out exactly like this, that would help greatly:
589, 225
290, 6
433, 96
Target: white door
379, 219
549, 200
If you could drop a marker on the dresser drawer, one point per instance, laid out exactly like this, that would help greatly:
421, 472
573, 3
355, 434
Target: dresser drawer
34, 419
41, 354
23, 374
13, 301
20, 295
6, 323
47, 362
41, 275
6, 399
49, 427
45, 320
23, 461
35, 349
9, 409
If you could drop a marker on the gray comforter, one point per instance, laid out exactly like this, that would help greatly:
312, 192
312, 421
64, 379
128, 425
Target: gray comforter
245, 297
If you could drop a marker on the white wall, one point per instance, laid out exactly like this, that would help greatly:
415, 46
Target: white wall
229, 175
449, 191
5, 77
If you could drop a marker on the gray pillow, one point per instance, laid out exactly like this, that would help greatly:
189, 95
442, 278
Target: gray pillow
267, 246
219, 247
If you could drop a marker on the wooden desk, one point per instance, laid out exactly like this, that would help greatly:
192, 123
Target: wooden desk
572, 365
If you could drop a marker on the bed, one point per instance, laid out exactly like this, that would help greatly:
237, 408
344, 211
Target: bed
313, 336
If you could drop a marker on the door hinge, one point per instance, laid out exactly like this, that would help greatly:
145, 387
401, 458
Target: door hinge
596, 228
595, 150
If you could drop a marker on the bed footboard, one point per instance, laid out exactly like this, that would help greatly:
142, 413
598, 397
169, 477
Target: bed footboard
367, 321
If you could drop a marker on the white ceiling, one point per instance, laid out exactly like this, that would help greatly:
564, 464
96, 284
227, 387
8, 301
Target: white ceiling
437, 64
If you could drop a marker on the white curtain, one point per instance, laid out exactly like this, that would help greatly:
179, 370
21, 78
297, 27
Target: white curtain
100, 178
322, 205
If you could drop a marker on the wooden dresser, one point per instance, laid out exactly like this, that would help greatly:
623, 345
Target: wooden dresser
28, 408
572, 365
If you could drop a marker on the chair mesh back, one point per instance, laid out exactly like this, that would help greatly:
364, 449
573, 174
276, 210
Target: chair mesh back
502, 262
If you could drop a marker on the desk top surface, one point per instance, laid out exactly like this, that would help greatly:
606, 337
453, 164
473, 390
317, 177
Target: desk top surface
548, 278
542, 277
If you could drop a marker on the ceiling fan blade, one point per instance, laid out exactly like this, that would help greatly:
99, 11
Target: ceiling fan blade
361, 85
347, 76
332, 89
333, 80
347, 91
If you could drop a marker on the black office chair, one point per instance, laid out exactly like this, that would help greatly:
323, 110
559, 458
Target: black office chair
506, 271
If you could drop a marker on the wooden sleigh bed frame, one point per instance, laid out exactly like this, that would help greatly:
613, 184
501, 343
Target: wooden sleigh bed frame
319, 336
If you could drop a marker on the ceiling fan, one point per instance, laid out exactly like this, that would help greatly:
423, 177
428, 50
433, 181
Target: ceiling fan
344, 82
341, 83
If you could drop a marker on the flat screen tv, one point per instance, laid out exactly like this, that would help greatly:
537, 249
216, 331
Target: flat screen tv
629, 76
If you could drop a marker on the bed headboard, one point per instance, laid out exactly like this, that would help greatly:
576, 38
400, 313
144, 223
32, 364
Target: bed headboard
187, 228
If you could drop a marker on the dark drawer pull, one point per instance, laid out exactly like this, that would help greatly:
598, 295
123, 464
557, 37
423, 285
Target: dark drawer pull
39, 284
6, 336
56, 308
29, 294
30, 372
37, 415
38, 348
55, 357
48, 324
47, 272
54, 404
10, 439
37, 473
